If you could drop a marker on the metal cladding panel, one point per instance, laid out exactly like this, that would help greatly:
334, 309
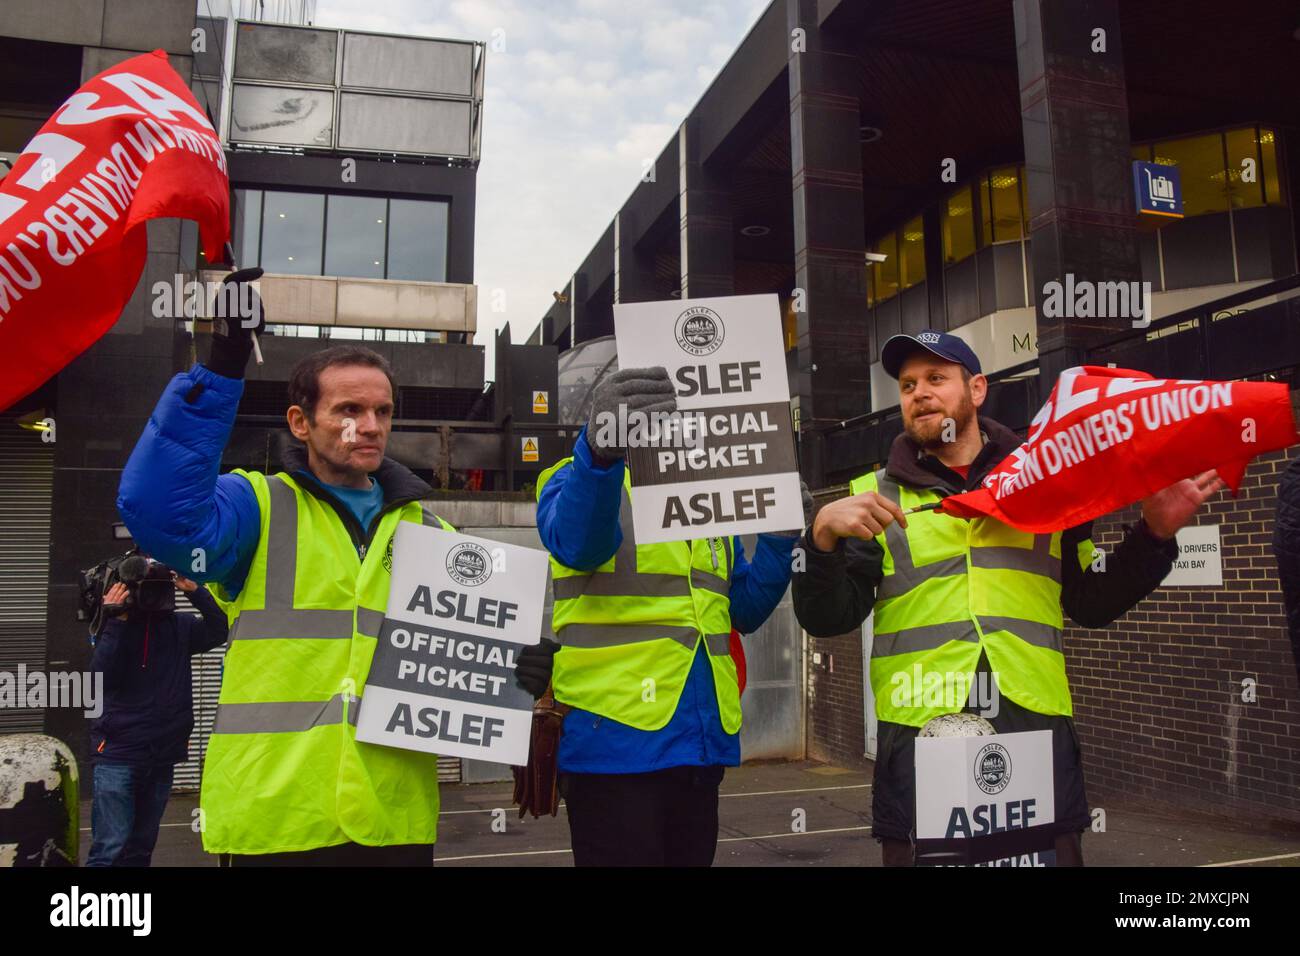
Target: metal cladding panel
26, 493
281, 116
285, 54
404, 124
408, 63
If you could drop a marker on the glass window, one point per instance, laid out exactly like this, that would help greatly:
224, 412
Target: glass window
958, 226
790, 324
912, 253
884, 275
1243, 154
292, 226
248, 227
354, 237
1200, 170
1002, 208
417, 240
1269, 175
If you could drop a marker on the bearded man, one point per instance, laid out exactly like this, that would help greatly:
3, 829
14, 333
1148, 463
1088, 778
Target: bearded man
973, 603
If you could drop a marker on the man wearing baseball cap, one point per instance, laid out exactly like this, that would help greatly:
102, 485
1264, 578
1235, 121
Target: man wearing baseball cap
975, 603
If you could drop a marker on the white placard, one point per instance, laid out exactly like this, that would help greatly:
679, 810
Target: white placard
977, 786
727, 362
1200, 558
443, 676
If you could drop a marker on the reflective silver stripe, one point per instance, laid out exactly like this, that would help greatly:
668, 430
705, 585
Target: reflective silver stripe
912, 639
281, 544
904, 579
906, 575
1031, 632
719, 645
1035, 560
369, 621
317, 623
895, 536
430, 519
625, 556
708, 582
613, 584
293, 716
614, 635
625, 580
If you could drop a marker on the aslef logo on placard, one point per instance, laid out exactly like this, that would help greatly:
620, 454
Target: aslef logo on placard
469, 564
699, 331
992, 768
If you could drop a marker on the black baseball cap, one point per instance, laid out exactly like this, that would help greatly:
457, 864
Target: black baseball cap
942, 344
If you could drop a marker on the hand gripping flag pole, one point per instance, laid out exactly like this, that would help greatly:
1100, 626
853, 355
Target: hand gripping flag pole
234, 267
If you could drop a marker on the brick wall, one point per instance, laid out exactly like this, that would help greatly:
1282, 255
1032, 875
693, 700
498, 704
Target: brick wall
1158, 694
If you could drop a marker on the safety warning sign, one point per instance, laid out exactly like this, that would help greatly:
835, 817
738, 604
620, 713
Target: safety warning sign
541, 403
528, 448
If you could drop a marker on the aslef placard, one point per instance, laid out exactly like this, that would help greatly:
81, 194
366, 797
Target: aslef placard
442, 679
984, 798
727, 465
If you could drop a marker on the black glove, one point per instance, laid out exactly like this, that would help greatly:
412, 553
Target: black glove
536, 661
232, 340
641, 390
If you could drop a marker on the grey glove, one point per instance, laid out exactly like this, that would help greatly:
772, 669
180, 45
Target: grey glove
645, 391
807, 513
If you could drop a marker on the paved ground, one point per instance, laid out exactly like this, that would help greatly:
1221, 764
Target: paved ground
759, 807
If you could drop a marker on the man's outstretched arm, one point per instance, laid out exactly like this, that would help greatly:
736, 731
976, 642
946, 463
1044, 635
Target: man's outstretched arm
174, 501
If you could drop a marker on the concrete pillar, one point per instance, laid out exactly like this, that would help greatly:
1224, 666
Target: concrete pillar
704, 202
1074, 114
833, 380
634, 273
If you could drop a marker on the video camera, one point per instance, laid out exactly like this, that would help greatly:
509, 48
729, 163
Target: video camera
149, 583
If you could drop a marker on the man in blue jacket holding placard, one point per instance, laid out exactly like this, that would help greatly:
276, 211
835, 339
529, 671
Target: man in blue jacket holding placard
643, 661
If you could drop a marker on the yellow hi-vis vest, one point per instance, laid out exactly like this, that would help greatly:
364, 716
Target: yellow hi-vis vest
629, 630
951, 587
284, 770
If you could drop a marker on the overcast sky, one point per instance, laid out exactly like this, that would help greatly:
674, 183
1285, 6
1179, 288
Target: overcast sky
584, 92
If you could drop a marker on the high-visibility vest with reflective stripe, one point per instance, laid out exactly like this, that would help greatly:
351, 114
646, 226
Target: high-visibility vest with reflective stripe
629, 630
284, 770
952, 586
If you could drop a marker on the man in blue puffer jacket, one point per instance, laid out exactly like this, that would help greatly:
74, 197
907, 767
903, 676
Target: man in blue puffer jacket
281, 549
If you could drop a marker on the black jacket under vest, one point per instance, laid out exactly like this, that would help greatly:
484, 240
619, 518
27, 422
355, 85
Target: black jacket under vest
837, 589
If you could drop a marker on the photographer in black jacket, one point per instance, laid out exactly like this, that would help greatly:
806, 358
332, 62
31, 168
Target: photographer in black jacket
144, 655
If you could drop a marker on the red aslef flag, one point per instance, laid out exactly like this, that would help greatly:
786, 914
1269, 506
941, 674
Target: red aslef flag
1108, 437
131, 145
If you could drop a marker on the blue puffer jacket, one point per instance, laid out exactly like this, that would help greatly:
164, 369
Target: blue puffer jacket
172, 498
148, 695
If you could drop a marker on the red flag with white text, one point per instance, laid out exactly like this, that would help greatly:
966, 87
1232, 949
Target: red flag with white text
131, 145
1108, 437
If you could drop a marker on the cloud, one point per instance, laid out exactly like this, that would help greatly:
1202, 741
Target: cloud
584, 92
